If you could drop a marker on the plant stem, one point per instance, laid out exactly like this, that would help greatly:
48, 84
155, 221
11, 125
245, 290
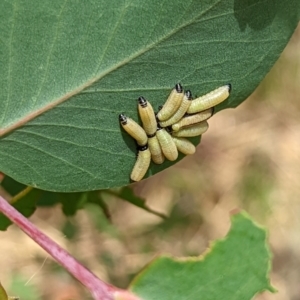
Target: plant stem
99, 289
21, 195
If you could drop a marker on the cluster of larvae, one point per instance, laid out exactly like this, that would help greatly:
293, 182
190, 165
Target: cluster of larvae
165, 133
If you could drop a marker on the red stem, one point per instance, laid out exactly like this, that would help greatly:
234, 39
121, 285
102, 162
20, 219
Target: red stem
99, 289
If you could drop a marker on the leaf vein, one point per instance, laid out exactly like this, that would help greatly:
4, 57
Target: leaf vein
73, 126
9, 76
50, 54
72, 143
56, 157
23, 162
111, 37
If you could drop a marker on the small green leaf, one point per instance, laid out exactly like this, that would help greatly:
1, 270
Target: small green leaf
3, 295
236, 267
95, 197
11, 186
70, 202
127, 194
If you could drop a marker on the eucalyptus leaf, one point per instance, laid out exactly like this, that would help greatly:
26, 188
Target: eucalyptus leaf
236, 267
68, 68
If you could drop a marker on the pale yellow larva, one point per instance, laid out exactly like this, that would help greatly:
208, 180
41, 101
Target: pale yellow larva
134, 130
193, 119
209, 100
172, 104
167, 144
142, 164
155, 150
147, 116
191, 131
184, 145
186, 102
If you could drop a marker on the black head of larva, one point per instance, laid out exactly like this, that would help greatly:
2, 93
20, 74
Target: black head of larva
188, 95
142, 148
212, 111
178, 88
229, 87
169, 129
123, 119
151, 135
142, 101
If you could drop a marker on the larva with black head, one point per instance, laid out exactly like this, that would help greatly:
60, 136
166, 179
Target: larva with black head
172, 104
210, 99
147, 115
155, 150
184, 145
167, 144
193, 119
191, 131
142, 164
185, 104
134, 130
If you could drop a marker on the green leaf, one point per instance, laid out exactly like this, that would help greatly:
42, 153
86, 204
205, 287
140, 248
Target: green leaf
68, 68
3, 295
95, 197
236, 267
11, 186
70, 202
127, 194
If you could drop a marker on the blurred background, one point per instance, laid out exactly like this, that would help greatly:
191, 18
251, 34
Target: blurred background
249, 159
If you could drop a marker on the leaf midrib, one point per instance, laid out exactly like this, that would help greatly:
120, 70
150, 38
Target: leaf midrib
51, 105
